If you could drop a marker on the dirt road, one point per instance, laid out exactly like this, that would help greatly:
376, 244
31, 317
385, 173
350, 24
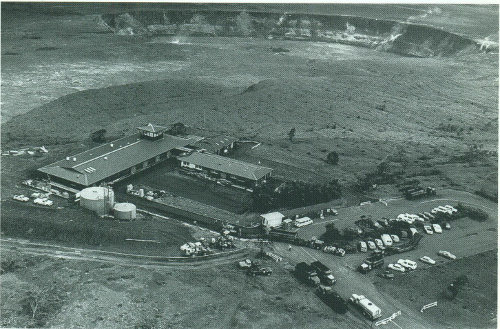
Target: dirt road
116, 258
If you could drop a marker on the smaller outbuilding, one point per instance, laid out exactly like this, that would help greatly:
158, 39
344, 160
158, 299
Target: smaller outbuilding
272, 219
220, 145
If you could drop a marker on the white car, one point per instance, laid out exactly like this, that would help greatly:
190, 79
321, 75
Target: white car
380, 244
452, 209
413, 231
43, 202
371, 245
447, 226
428, 229
396, 267
416, 218
247, 263
446, 254
21, 197
428, 260
437, 228
445, 210
394, 238
409, 264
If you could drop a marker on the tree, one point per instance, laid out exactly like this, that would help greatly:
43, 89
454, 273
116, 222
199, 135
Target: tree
332, 158
98, 136
178, 129
291, 134
332, 233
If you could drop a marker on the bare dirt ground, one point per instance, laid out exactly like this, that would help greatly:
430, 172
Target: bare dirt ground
84, 294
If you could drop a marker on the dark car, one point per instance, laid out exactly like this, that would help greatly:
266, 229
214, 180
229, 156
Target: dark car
386, 275
260, 271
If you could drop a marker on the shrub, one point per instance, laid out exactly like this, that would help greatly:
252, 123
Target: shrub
472, 212
332, 158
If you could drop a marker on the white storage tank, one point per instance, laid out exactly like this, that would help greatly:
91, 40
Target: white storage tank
124, 211
99, 199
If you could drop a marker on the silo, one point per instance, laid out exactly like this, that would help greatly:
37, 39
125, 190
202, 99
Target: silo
124, 211
99, 199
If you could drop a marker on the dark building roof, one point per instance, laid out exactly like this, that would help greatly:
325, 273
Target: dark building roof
227, 165
213, 144
106, 160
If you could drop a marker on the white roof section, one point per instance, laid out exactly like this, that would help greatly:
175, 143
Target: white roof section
273, 215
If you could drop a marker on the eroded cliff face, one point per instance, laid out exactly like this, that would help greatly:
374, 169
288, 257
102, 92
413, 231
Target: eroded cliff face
402, 38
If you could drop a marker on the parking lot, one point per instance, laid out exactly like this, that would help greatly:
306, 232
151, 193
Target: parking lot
466, 238
392, 207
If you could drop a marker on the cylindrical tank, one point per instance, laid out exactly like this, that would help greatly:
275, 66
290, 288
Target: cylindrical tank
124, 211
99, 199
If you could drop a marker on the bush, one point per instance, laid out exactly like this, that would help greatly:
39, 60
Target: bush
294, 194
472, 212
332, 158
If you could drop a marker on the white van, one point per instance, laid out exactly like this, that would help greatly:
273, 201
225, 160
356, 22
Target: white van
362, 246
303, 221
386, 239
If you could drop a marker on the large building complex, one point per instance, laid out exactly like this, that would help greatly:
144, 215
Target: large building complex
116, 160
243, 173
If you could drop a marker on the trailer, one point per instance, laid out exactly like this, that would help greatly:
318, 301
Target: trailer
324, 273
332, 299
307, 274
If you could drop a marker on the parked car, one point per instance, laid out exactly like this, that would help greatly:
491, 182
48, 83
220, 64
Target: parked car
446, 254
386, 239
437, 228
396, 267
422, 215
362, 246
429, 215
303, 221
428, 229
413, 231
329, 249
43, 202
247, 263
379, 244
453, 210
447, 226
371, 245
394, 238
260, 271
428, 260
386, 275
21, 197
409, 264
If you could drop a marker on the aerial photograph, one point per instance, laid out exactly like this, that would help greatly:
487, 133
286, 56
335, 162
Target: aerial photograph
249, 165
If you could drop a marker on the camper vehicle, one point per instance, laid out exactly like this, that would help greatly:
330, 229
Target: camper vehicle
408, 264
303, 221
